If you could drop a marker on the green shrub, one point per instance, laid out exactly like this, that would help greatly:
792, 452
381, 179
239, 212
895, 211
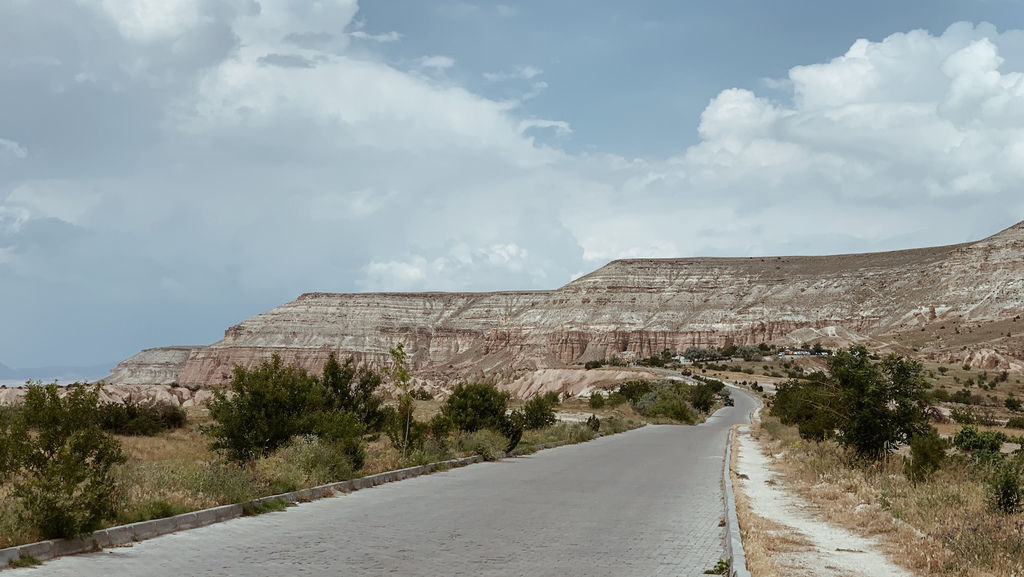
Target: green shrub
968, 439
539, 412
614, 425
274, 403
307, 461
354, 390
138, 419
597, 400
592, 365
615, 399
579, 433
963, 416
225, 482
927, 451
1015, 423
24, 560
810, 406
594, 423
1013, 405
870, 407
61, 461
263, 507
633, 391
421, 394
158, 509
487, 443
668, 399
476, 406
1005, 493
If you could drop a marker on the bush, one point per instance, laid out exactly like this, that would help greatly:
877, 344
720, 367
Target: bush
476, 406
274, 403
1013, 405
539, 412
702, 396
592, 365
594, 423
968, 439
615, 399
811, 407
634, 390
421, 394
963, 416
61, 461
927, 451
308, 461
669, 399
487, 443
963, 396
136, 419
597, 400
614, 425
1015, 423
1004, 487
871, 407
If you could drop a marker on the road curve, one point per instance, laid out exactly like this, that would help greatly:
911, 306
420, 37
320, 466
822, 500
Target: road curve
647, 502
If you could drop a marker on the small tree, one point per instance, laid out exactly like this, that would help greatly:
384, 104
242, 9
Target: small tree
539, 412
883, 403
403, 380
476, 406
61, 461
272, 404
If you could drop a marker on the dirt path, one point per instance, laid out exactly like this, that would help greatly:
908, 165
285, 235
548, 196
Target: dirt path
813, 546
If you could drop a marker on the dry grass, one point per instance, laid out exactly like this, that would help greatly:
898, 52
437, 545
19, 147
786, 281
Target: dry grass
175, 472
941, 526
763, 539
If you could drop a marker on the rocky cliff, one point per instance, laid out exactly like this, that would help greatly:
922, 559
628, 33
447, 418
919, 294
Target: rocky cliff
642, 306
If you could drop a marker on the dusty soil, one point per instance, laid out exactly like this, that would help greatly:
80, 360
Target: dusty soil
784, 536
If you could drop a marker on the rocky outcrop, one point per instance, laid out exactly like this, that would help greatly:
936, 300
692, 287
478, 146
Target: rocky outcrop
159, 366
635, 307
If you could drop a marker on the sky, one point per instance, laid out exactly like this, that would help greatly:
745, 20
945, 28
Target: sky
169, 168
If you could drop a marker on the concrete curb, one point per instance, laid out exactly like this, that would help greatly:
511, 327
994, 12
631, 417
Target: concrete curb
733, 539
128, 534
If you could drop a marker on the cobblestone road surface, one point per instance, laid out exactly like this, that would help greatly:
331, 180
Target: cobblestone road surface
642, 503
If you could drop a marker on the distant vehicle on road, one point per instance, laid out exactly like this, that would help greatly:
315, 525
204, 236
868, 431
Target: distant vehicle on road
729, 402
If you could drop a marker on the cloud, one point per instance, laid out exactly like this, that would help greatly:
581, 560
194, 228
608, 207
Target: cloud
208, 170
448, 271
561, 127
10, 149
391, 36
517, 73
436, 62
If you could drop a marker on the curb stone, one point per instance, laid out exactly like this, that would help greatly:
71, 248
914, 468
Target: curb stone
127, 534
123, 535
733, 539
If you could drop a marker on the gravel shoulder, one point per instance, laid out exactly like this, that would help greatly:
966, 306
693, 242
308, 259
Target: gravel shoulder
797, 540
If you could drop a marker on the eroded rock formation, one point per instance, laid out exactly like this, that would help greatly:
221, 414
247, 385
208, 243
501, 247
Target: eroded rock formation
640, 307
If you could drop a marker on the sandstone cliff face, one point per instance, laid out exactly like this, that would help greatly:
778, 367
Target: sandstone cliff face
159, 366
638, 307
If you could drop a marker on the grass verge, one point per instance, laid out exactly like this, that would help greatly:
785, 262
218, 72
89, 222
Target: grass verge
939, 526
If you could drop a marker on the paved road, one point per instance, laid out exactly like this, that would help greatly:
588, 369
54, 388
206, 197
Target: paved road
642, 503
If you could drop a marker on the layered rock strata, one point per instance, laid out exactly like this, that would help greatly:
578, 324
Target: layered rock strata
637, 308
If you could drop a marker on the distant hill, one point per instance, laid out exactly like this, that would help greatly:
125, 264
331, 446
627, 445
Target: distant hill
953, 304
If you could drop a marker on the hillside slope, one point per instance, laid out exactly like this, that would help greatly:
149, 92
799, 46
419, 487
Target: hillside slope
964, 298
